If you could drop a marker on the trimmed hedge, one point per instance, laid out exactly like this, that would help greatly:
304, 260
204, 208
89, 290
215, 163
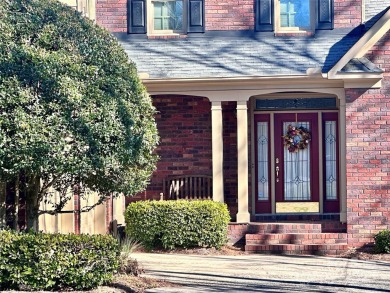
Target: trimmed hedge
179, 223
37, 261
382, 241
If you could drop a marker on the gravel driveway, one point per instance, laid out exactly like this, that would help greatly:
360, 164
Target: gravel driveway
265, 273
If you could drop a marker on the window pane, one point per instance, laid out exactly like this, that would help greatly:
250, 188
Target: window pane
262, 161
158, 24
330, 160
158, 9
297, 170
168, 15
295, 13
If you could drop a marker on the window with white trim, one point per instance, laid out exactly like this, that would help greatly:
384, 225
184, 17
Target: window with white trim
168, 16
86, 7
293, 15
164, 17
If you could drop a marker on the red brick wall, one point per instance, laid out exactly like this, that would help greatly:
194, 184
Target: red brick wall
222, 15
239, 14
184, 125
229, 14
347, 13
112, 14
368, 154
230, 155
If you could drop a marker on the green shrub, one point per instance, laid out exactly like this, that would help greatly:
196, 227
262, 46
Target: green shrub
37, 261
382, 241
179, 223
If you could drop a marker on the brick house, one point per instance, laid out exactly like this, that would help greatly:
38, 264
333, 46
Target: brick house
228, 79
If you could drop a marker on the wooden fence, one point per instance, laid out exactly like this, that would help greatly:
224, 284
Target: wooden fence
99, 220
103, 219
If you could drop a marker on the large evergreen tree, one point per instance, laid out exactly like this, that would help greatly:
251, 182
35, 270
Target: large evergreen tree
73, 111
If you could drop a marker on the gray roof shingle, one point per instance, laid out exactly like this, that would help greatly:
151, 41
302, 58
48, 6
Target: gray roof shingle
255, 55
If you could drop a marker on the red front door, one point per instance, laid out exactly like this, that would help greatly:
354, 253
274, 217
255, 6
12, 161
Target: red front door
283, 175
296, 172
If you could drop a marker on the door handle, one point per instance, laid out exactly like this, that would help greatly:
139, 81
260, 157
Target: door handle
277, 173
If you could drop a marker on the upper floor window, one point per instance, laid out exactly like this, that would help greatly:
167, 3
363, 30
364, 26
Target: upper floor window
86, 7
71, 3
293, 15
168, 16
164, 17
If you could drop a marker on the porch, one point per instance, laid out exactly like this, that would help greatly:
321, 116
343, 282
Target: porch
229, 116
214, 133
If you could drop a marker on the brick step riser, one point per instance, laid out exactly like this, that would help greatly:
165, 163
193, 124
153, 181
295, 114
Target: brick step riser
341, 230
267, 228
320, 238
335, 249
296, 241
283, 231
261, 228
301, 252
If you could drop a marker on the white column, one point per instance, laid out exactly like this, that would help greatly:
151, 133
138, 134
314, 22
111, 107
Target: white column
217, 150
243, 215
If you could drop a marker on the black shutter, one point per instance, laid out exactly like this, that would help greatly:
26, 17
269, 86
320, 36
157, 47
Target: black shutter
264, 15
196, 18
324, 14
136, 16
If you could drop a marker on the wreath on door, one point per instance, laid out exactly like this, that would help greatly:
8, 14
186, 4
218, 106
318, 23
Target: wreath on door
296, 138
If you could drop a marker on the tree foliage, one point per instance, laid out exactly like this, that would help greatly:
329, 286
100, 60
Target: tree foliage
73, 111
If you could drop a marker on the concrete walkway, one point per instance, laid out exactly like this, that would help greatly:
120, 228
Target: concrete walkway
265, 273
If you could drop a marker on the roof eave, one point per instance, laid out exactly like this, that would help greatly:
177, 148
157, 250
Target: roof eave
359, 80
172, 85
365, 43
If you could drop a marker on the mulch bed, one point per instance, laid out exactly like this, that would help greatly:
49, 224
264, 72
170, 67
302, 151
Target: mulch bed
366, 253
132, 284
225, 250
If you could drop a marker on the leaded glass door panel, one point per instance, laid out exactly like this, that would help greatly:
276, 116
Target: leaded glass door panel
296, 164
263, 164
330, 162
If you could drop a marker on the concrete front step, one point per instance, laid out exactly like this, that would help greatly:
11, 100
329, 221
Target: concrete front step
294, 249
297, 238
